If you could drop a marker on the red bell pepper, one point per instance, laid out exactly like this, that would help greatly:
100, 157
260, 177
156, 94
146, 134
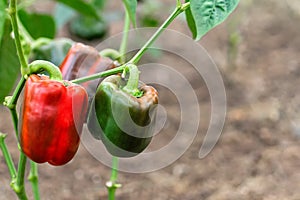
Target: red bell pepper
51, 119
83, 60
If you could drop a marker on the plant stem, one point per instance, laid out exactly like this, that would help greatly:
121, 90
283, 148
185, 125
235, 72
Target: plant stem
111, 53
99, 75
17, 183
133, 81
124, 38
14, 117
33, 178
114, 171
179, 9
7, 156
111, 184
137, 57
14, 22
11, 101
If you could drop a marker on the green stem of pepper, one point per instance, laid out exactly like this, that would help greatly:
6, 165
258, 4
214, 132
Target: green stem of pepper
99, 75
110, 53
38, 66
17, 183
137, 57
112, 185
33, 178
179, 9
7, 156
14, 21
11, 101
124, 38
133, 82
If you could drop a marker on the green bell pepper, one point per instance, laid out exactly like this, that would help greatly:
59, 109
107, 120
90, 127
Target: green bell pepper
123, 115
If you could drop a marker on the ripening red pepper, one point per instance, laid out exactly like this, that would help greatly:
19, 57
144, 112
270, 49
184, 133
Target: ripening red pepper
83, 60
51, 119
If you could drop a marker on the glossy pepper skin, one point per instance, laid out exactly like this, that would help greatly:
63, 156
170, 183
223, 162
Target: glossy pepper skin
123, 122
51, 119
83, 60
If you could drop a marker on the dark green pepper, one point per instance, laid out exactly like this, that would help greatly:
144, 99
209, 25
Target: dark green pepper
122, 115
53, 51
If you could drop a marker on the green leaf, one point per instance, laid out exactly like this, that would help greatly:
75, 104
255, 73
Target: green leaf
62, 14
9, 62
190, 20
207, 14
130, 6
99, 4
81, 7
2, 17
38, 25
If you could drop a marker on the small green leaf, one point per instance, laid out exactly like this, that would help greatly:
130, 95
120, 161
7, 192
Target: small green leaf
2, 17
9, 62
207, 14
190, 20
130, 6
62, 14
81, 7
38, 25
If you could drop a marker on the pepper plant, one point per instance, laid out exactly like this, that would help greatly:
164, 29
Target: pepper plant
54, 110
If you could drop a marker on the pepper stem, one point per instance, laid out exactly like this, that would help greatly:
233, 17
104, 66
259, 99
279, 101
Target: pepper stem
110, 53
112, 184
133, 81
34, 179
14, 22
41, 65
7, 156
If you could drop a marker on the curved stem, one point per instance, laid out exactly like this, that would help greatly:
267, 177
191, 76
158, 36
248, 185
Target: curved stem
11, 101
133, 82
124, 38
14, 22
110, 53
42, 65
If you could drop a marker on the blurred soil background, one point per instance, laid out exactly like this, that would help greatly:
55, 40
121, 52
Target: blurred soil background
257, 157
